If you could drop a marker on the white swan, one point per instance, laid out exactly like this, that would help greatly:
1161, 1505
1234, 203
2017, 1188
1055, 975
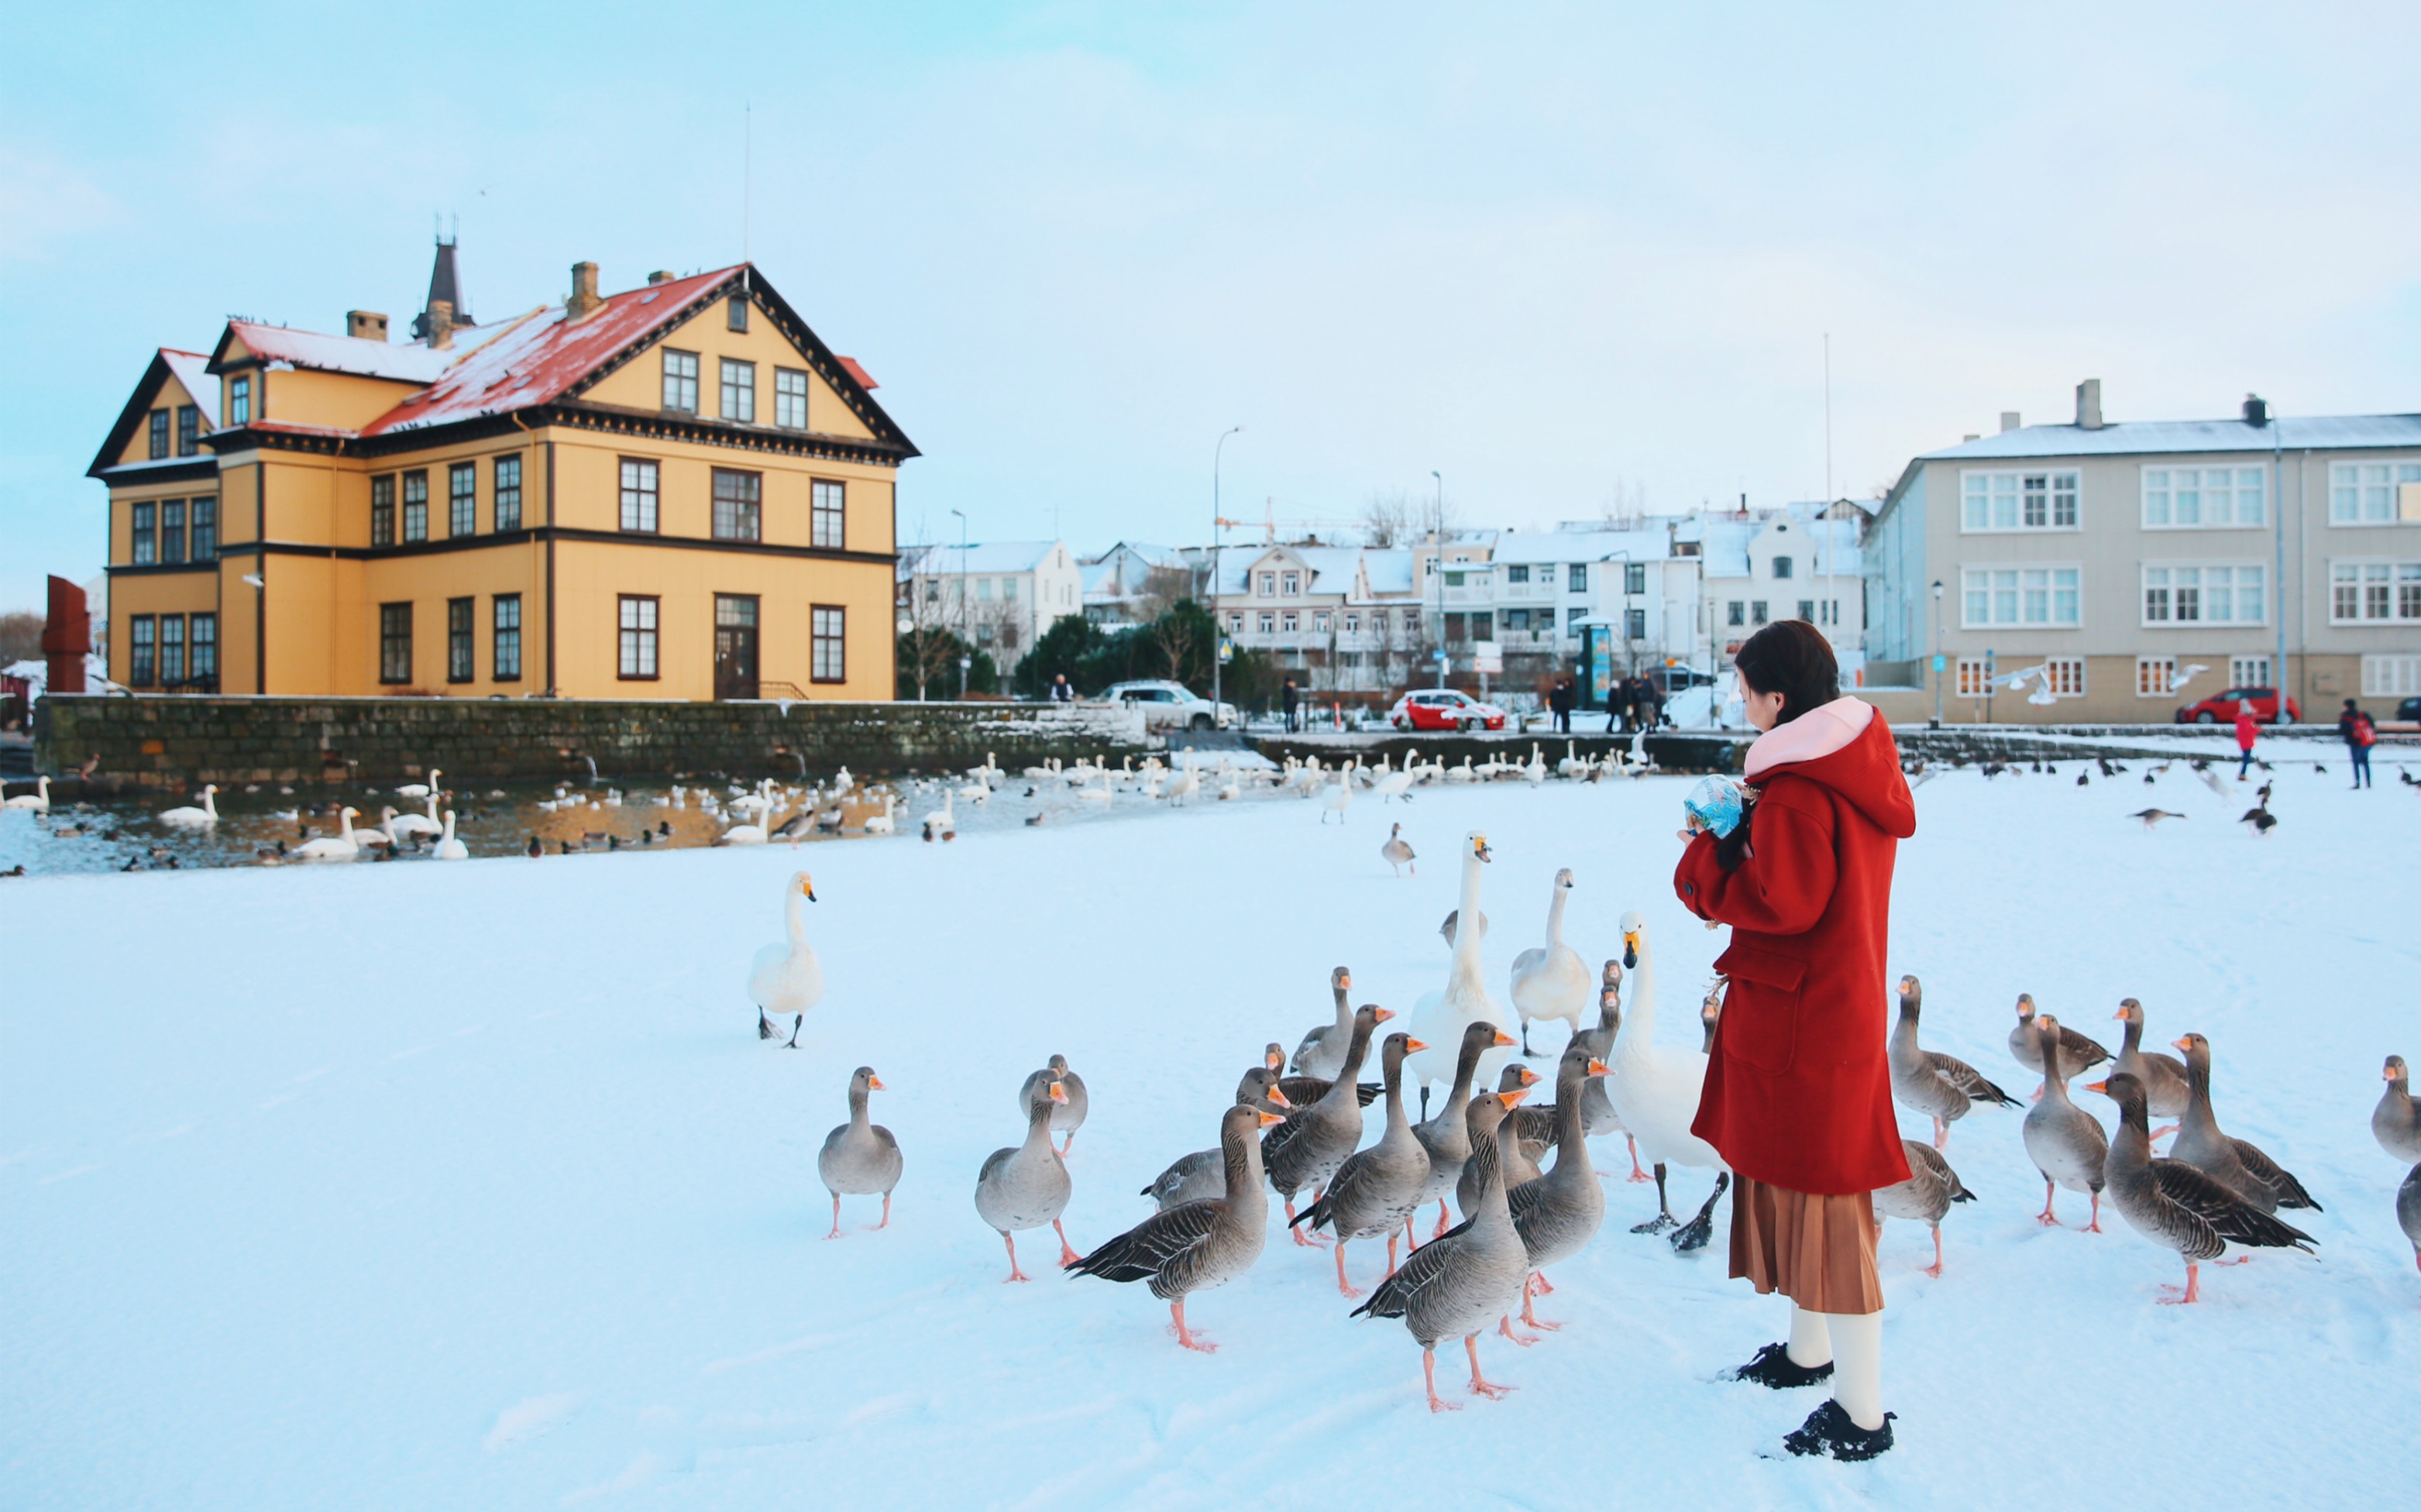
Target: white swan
338, 847
1551, 981
1537, 771
883, 823
1187, 784
421, 789
742, 835
1339, 799
1439, 1019
380, 837
787, 977
944, 816
1655, 1088
1100, 792
1395, 785
196, 819
449, 848
411, 824
38, 800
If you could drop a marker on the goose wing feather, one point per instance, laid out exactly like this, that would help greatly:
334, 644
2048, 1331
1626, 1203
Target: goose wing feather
2273, 1176
1152, 1246
2207, 1205
1423, 1268
1969, 1081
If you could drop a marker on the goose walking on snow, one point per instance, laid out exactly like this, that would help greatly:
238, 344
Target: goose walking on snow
2163, 1076
2077, 1055
786, 978
1942, 1087
1374, 1190
2065, 1141
1597, 1108
1655, 1091
1558, 1214
1323, 1050
1448, 1136
1026, 1185
1931, 1187
1398, 852
1196, 1245
1067, 1116
859, 1158
2175, 1205
2396, 1123
2237, 1164
1204, 1173
1550, 981
1306, 1150
194, 819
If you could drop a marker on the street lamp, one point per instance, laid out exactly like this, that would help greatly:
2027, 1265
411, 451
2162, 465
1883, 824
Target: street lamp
1437, 570
1937, 653
1217, 540
966, 657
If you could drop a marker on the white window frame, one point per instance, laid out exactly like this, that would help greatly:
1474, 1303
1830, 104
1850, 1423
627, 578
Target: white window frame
2155, 676
2249, 671
1975, 676
1991, 478
2067, 675
2391, 675
2050, 588
2347, 507
2168, 573
2161, 485
1290, 585
2399, 580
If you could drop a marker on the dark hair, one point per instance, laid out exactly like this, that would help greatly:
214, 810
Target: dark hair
1790, 657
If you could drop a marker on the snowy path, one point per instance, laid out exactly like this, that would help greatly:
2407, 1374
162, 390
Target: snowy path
469, 1186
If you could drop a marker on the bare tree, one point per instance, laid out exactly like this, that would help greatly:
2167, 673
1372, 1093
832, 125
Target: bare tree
1625, 504
1387, 517
929, 647
21, 636
1164, 590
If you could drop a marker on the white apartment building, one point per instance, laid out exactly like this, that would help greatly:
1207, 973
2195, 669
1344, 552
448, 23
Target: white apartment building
1000, 596
1339, 618
1801, 561
1119, 584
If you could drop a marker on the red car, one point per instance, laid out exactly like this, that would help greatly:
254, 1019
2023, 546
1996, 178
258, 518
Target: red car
1443, 708
2220, 708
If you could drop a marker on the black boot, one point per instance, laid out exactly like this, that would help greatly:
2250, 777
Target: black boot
1829, 1431
1775, 1367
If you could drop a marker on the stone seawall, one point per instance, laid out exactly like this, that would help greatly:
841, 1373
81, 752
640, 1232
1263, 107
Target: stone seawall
177, 741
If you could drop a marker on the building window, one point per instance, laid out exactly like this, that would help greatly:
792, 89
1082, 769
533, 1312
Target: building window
1236, 624
2248, 672
1353, 623
1290, 584
1781, 567
509, 493
2067, 675
172, 530
1289, 622
143, 651
1269, 585
1735, 613
1635, 624
829, 524
1269, 623
146, 533
506, 653
1009, 589
415, 505
2374, 493
1483, 625
1975, 675
1520, 618
2390, 676
638, 628
739, 391
159, 437
830, 628
462, 499
983, 589
2204, 596
1412, 619
790, 398
638, 495
2189, 498
681, 381
1454, 580
2155, 676
1576, 577
2017, 501
2020, 595
2374, 592
735, 313
382, 510
736, 513
189, 429
1807, 610
458, 660
1757, 610
240, 402
172, 651
1635, 577
1516, 573
206, 529
395, 642
205, 639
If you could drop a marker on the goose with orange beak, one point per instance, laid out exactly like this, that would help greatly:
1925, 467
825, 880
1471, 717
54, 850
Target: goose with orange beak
1026, 1186
1560, 1212
1376, 1190
2172, 1203
860, 1158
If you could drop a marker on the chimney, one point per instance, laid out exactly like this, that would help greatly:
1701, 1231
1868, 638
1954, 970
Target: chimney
366, 325
661, 276
584, 302
2010, 421
2088, 405
441, 324
2257, 410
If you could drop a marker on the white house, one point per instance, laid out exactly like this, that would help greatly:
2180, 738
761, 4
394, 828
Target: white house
1002, 595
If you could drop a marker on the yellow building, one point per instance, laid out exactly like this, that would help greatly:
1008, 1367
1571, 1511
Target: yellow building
677, 491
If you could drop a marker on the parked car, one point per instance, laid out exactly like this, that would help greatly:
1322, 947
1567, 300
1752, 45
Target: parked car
1171, 706
1678, 680
1443, 708
2409, 709
2219, 708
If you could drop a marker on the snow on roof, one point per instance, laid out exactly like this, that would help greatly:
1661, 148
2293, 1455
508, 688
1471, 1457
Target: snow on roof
1566, 544
536, 359
2290, 433
192, 369
410, 363
1387, 569
943, 558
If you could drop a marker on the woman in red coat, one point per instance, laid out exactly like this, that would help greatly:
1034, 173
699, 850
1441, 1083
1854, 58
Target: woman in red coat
1797, 1091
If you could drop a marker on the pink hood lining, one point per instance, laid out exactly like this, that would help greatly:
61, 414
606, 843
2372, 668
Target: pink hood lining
1817, 733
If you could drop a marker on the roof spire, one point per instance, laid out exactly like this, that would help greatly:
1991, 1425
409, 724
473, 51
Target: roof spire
446, 286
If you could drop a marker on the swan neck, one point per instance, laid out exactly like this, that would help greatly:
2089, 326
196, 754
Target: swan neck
794, 918
1555, 916
1639, 1019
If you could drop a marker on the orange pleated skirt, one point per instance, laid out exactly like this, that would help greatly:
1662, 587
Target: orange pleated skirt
1817, 1250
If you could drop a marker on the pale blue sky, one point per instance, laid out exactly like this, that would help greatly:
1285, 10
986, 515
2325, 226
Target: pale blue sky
1550, 251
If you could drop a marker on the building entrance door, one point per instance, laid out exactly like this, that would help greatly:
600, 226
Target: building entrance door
735, 646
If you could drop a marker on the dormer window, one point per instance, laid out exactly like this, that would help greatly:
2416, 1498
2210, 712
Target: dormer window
189, 429
1269, 585
240, 401
1292, 584
159, 437
1781, 567
736, 312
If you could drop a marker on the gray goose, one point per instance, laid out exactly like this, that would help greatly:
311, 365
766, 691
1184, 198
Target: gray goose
859, 1158
1068, 1116
1942, 1087
2175, 1204
1026, 1186
1448, 1136
1931, 1187
1204, 1173
1306, 1149
1597, 1108
2237, 1165
1376, 1190
2065, 1141
1459, 1280
2396, 1123
2407, 1210
1454, 917
1303, 1091
1558, 1214
1535, 1127
2165, 1092
1520, 1165
1322, 1050
1197, 1246
2077, 1053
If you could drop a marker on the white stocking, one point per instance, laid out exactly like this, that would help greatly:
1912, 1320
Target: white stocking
1811, 1343
1858, 1366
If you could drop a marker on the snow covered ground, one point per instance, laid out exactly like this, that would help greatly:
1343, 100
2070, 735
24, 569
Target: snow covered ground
471, 1185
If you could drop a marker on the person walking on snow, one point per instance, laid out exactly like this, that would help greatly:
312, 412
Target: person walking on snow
2359, 734
2246, 731
1798, 1095
1286, 697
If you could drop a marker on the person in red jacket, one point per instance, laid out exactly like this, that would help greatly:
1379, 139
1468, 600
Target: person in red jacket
2247, 730
1797, 1091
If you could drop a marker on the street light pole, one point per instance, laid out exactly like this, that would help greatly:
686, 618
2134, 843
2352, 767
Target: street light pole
966, 640
1217, 542
1437, 570
1937, 653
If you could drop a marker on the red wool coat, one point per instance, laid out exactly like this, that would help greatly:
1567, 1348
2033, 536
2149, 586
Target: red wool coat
1798, 1093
